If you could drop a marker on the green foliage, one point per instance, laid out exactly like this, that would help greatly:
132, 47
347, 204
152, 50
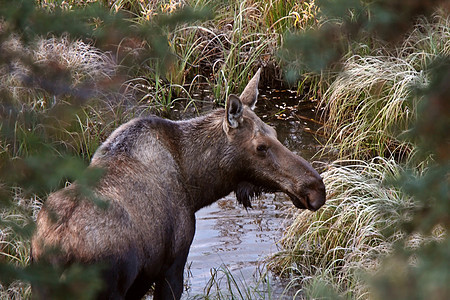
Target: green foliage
429, 275
53, 81
376, 104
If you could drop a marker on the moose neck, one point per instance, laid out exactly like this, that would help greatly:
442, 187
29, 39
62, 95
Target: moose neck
206, 160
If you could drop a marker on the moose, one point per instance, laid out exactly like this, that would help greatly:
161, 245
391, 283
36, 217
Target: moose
157, 174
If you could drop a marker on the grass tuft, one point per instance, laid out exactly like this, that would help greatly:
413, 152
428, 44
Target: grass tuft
374, 98
83, 60
347, 234
14, 246
359, 224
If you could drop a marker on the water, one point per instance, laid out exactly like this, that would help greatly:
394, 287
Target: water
229, 236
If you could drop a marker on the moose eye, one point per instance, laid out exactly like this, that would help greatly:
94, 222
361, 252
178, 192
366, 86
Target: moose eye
261, 148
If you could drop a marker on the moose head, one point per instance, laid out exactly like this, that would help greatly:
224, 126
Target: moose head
266, 165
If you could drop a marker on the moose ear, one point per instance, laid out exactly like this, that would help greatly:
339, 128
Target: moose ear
234, 111
250, 93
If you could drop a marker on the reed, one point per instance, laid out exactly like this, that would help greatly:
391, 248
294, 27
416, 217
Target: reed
242, 46
222, 52
225, 284
282, 16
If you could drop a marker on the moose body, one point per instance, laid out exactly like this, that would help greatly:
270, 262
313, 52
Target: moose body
158, 173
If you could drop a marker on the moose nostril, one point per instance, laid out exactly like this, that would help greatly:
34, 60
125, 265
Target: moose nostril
315, 205
315, 200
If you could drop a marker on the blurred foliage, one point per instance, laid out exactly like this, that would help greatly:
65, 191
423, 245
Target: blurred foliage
423, 272
46, 102
342, 23
410, 272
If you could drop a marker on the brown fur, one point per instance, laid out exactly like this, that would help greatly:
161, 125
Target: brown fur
158, 173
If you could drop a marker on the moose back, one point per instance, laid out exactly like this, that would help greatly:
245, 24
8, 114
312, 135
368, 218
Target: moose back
158, 173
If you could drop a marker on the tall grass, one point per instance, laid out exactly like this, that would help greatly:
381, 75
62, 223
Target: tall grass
281, 16
350, 234
220, 53
373, 99
241, 45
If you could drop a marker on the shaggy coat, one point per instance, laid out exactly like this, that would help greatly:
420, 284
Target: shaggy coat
158, 173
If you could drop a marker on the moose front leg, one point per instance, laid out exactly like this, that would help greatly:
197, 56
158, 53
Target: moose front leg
170, 287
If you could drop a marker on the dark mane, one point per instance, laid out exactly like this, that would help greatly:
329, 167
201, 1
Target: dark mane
245, 192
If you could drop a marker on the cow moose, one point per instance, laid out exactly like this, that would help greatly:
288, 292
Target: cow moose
157, 174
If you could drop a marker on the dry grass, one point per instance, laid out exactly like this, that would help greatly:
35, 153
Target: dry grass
14, 247
76, 62
83, 60
373, 99
56, 74
347, 234
334, 249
